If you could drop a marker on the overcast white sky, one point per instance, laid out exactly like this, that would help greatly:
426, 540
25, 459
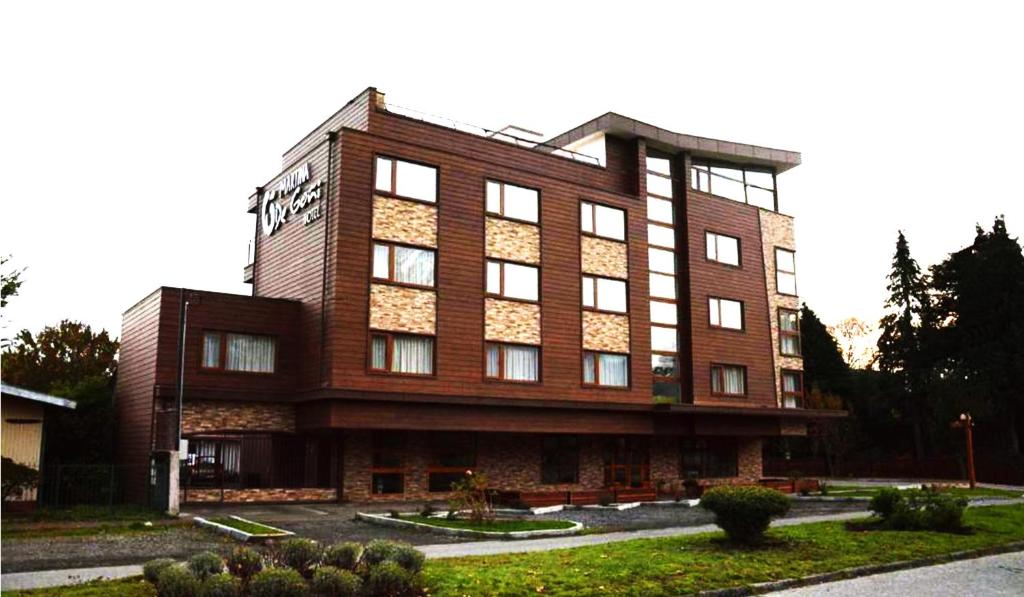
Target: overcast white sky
131, 134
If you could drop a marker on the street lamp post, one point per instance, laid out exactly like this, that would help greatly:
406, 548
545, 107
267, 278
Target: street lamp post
967, 422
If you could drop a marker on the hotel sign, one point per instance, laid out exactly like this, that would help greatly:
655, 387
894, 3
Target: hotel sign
295, 195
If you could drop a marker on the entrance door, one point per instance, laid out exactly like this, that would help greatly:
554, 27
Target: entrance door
627, 462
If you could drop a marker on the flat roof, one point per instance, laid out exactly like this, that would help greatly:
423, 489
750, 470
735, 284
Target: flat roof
9, 390
666, 140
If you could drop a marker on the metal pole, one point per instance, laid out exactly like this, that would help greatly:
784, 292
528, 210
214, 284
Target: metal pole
969, 424
181, 374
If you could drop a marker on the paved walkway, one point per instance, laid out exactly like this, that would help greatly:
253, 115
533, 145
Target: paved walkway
996, 575
59, 578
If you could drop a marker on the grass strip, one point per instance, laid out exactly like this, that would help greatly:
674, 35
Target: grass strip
126, 587
977, 492
88, 531
253, 528
496, 526
683, 565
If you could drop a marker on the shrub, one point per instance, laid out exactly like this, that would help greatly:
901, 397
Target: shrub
377, 551
205, 563
16, 478
408, 557
471, 493
883, 503
176, 581
823, 488
919, 510
394, 514
278, 582
220, 585
301, 555
944, 512
744, 513
329, 581
427, 511
151, 570
343, 555
244, 563
606, 498
388, 579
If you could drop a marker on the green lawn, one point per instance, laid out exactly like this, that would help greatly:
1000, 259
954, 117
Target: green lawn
977, 492
685, 565
93, 513
497, 526
129, 587
253, 528
84, 531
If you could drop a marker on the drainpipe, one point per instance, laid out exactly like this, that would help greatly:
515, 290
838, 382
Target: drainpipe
331, 137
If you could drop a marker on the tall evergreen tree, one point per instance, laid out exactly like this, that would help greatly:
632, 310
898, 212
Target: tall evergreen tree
824, 366
899, 345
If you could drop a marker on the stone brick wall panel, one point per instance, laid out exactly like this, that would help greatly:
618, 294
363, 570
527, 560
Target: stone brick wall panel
404, 221
513, 240
511, 321
603, 257
205, 416
401, 309
605, 332
777, 231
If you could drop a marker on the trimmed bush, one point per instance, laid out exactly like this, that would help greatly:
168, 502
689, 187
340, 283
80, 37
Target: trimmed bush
377, 551
744, 513
408, 557
176, 581
329, 581
913, 509
883, 503
151, 570
244, 562
388, 579
205, 563
300, 555
220, 585
278, 582
343, 555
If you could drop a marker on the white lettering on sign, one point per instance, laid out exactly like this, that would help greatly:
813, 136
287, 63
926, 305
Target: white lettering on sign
291, 188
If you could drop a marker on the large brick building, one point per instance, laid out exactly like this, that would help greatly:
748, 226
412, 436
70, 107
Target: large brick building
605, 310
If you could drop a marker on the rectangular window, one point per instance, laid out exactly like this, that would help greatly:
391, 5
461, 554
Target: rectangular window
661, 236
785, 271
511, 201
212, 462
604, 294
512, 280
661, 261
245, 353
792, 389
406, 179
723, 249
402, 353
746, 185
666, 366
387, 470
608, 222
605, 369
662, 286
560, 461
664, 339
659, 210
659, 165
789, 332
406, 265
513, 362
659, 185
708, 458
725, 313
728, 380
663, 312
451, 455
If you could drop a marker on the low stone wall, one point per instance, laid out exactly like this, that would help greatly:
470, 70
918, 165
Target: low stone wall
253, 496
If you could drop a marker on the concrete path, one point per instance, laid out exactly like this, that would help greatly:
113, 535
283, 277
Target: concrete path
59, 578
996, 575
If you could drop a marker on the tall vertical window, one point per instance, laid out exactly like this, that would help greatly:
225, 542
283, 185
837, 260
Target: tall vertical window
665, 371
511, 201
387, 467
604, 294
722, 248
785, 271
792, 389
406, 179
512, 280
662, 312
601, 220
661, 263
513, 362
789, 332
664, 339
661, 236
605, 369
725, 313
406, 265
245, 353
728, 380
662, 286
401, 353
560, 460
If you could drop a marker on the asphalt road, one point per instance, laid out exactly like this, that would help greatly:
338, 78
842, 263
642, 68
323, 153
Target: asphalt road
999, 575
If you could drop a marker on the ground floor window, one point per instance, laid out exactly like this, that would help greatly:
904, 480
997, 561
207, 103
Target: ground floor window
708, 458
451, 456
387, 472
260, 460
627, 462
560, 462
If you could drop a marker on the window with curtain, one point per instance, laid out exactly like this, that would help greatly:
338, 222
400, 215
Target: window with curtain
512, 201
407, 265
792, 389
245, 353
605, 369
789, 332
600, 220
728, 380
212, 462
604, 294
513, 362
785, 271
211, 350
406, 179
725, 313
722, 248
402, 353
560, 459
512, 280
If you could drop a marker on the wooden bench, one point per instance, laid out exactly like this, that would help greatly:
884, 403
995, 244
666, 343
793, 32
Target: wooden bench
635, 494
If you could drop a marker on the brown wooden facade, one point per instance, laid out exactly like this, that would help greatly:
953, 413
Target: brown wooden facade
312, 293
